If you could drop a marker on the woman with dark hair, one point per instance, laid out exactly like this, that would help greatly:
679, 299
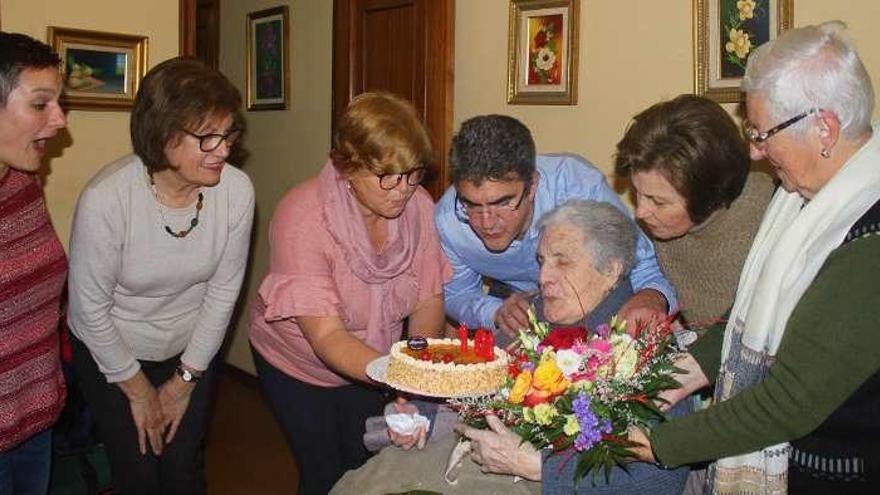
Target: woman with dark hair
696, 198
353, 252
158, 253
32, 266
795, 367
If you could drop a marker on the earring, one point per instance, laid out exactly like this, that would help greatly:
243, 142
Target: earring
348, 185
826, 153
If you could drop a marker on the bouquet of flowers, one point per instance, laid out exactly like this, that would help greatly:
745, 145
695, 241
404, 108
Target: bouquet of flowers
571, 388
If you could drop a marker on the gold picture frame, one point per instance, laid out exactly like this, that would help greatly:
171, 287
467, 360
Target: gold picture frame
542, 51
101, 71
268, 59
725, 32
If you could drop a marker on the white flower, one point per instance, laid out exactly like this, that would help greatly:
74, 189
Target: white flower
626, 357
545, 59
569, 362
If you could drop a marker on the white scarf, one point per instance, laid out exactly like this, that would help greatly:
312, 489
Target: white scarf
791, 246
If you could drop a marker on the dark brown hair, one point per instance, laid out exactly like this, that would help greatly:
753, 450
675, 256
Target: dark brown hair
180, 93
697, 147
381, 132
19, 52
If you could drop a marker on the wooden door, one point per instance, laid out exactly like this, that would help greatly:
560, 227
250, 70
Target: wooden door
401, 46
200, 30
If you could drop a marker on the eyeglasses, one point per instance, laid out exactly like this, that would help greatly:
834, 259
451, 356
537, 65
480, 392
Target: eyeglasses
210, 142
389, 181
465, 210
757, 137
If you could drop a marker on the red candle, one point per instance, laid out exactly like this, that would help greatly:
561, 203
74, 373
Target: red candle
463, 337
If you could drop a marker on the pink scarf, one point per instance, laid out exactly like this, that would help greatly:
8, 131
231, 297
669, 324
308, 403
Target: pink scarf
385, 271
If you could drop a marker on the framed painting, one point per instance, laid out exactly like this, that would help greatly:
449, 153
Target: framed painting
725, 33
268, 64
101, 71
542, 49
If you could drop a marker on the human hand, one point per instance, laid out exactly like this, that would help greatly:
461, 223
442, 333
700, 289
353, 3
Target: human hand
174, 397
146, 412
416, 439
644, 306
502, 451
642, 451
513, 314
691, 379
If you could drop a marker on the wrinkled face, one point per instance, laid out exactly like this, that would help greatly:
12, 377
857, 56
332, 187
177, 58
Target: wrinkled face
794, 157
373, 199
498, 211
192, 166
31, 117
659, 206
570, 285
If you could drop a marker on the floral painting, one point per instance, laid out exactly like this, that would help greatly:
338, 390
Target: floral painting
726, 33
545, 49
542, 52
268, 70
745, 25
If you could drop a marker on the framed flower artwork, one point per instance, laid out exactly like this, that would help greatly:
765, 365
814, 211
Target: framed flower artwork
725, 33
268, 59
542, 52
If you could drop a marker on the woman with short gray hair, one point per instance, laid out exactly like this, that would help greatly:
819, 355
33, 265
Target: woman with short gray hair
795, 366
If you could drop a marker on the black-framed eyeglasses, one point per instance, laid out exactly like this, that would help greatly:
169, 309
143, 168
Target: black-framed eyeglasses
757, 137
210, 142
389, 181
465, 210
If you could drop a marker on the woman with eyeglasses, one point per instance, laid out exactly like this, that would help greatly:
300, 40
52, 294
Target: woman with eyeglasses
795, 367
158, 254
353, 253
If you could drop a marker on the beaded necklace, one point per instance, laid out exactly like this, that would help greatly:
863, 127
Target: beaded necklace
180, 234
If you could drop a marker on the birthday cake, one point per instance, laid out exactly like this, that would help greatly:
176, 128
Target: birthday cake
447, 367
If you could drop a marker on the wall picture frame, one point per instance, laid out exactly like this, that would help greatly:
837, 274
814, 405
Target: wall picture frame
542, 52
100, 70
268, 59
725, 33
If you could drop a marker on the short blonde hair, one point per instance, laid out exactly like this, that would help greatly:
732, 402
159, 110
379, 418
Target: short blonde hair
381, 132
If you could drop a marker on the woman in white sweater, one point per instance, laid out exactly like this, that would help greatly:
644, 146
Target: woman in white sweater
158, 253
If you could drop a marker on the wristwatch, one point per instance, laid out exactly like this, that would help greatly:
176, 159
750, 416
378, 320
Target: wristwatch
186, 375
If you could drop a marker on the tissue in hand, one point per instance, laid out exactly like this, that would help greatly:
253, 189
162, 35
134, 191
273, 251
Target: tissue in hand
406, 424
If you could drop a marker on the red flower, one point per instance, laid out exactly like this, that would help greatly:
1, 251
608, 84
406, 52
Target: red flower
564, 337
540, 39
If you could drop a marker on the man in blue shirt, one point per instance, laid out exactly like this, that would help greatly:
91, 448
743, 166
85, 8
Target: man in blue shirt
487, 219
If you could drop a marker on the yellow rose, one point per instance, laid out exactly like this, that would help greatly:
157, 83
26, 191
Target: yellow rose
746, 9
548, 376
520, 387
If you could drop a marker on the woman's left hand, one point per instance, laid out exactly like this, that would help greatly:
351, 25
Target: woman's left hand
174, 397
502, 451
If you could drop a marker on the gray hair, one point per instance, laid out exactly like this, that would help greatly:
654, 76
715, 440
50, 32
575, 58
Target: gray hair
813, 67
610, 236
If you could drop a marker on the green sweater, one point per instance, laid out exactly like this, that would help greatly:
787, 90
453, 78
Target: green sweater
829, 349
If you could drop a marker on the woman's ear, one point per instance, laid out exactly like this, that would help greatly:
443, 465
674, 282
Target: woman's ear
613, 273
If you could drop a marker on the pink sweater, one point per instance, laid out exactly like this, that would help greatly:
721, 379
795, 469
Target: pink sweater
32, 272
309, 276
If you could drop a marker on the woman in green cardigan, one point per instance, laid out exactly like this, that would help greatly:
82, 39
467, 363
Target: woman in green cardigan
795, 366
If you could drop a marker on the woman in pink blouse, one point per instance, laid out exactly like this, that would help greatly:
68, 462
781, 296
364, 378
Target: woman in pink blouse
353, 253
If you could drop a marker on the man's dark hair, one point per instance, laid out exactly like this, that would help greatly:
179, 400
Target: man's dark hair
19, 52
492, 147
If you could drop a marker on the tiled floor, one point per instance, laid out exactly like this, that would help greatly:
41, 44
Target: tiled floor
246, 453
